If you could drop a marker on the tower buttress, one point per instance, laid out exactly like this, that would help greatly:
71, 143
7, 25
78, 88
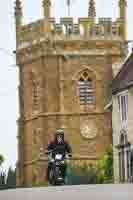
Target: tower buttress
18, 13
123, 17
47, 8
92, 9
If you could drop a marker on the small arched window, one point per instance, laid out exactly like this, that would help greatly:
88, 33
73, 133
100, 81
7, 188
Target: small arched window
86, 89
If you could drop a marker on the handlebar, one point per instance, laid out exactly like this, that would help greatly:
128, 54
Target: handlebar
67, 156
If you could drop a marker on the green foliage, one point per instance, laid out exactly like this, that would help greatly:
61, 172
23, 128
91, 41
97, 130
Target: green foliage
1, 159
105, 167
102, 173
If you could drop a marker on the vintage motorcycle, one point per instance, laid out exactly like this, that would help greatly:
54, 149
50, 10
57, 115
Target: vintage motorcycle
58, 166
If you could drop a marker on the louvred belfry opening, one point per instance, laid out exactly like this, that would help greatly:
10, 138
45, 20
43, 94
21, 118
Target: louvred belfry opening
86, 89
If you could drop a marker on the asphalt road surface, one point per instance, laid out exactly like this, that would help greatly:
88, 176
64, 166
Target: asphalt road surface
90, 192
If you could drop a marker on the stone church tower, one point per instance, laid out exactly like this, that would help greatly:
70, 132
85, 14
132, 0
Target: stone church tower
65, 72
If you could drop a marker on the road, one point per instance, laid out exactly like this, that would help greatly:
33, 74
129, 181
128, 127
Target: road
91, 192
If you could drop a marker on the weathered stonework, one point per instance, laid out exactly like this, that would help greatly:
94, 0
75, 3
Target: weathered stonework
54, 60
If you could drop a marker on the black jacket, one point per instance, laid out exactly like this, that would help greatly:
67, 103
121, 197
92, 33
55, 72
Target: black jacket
63, 148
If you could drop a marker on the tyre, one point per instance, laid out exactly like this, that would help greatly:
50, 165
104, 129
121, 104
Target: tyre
51, 177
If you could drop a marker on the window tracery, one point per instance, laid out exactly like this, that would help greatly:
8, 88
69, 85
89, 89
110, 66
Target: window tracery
86, 89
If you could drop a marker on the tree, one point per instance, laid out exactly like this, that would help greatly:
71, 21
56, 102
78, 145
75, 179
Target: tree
105, 167
2, 174
11, 178
1, 159
2, 180
7, 180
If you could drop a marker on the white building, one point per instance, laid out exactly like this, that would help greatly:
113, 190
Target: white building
122, 121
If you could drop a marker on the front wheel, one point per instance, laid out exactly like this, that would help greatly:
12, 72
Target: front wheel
51, 177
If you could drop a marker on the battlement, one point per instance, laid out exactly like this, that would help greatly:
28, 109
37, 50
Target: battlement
66, 29
87, 28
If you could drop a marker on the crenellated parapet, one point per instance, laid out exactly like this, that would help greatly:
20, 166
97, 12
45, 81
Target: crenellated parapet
87, 28
105, 29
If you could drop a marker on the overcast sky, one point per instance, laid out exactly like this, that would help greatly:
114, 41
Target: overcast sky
8, 72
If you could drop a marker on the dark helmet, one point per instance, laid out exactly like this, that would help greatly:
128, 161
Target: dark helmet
59, 133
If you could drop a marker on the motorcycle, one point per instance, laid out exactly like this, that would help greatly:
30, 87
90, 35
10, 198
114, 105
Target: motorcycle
57, 171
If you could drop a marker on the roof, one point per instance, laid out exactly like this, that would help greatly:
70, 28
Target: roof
124, 79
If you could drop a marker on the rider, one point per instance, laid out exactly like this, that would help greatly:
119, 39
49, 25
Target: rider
58, 145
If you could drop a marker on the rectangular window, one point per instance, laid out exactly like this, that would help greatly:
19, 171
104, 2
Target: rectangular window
123, 106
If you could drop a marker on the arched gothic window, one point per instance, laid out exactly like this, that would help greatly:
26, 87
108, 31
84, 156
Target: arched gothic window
86, 89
